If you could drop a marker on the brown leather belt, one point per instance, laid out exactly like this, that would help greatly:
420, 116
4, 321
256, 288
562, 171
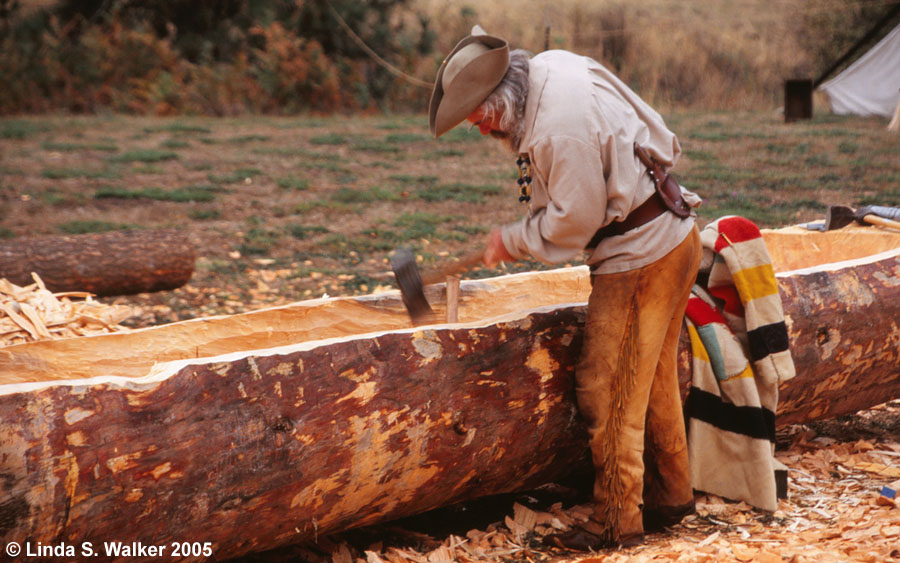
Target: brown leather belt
666, 197
643, 214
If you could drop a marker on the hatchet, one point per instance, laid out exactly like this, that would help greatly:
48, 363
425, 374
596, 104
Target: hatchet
839, 216
412, 283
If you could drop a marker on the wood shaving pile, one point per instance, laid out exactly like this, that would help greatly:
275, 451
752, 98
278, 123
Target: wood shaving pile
834, 512
32, 313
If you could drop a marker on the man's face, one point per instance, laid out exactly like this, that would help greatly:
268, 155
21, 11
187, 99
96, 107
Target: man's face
491, 126
486, 126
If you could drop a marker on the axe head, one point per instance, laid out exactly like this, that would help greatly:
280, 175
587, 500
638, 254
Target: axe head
412, 290
838, 216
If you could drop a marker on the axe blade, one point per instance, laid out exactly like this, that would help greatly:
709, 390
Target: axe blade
838, 216
412, 290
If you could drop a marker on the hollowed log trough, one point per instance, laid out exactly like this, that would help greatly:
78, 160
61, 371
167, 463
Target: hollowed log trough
277, 426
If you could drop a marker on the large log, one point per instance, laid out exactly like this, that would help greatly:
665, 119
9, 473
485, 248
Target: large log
259, 447
113, 263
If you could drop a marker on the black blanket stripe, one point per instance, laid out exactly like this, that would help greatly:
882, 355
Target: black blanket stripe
755, 422
767, 339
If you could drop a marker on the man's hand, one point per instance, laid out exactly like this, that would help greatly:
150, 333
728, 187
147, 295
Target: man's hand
495, 252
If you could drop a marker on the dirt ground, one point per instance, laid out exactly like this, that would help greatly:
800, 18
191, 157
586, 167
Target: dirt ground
286, 209
834, 511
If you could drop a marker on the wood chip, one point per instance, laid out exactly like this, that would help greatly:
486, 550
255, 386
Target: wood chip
33, 313
524, 516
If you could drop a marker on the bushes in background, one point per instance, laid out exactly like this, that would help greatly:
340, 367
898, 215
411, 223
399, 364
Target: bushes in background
220, 58
223, 57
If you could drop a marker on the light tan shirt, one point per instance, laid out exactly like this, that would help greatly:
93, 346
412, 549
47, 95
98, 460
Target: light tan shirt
581, 122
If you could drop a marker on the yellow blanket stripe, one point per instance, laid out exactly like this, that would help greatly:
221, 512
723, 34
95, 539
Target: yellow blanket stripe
697, 347
753, 283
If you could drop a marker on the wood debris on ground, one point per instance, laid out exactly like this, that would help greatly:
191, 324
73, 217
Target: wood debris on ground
32, 312
836, 510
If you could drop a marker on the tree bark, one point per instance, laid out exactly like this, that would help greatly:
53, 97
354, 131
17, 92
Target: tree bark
114, 263
266, 447
268, 450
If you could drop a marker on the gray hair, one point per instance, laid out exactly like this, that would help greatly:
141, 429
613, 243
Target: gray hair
508, 98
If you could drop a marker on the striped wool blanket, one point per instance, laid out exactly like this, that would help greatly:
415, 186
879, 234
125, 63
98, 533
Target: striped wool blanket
740, 352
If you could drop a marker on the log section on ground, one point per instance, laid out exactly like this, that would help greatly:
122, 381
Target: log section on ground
114, 263
277, 426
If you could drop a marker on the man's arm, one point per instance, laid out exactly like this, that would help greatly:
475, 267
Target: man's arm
574, 177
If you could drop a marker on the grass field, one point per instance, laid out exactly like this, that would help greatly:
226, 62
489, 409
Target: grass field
283, 209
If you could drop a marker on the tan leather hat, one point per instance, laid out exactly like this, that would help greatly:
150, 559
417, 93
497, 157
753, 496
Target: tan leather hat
467, 76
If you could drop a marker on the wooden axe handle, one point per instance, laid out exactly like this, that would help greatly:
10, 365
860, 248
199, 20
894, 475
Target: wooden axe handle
873, 219
467, 262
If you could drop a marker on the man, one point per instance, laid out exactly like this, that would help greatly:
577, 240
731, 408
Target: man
574, 127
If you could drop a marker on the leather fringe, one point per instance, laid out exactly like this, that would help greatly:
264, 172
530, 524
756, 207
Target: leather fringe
610, 512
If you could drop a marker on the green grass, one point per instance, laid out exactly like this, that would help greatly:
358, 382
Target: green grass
470, 230
259, 241
889, 197
407, 138
370, 145
201, 193
178, 128
420, 224
6, 233
410, 179
53, 197
292, 183
174, 144
320, 204
329, 166
144, 155
204, 214
239, 175
701, 156
351, 195
303, 232
58, 146
369, 241
468, 193
848, 147
819, 160
716, 136
64, 173
445, 153
462, 134
85, 227
19, 130
329, 139
242, 139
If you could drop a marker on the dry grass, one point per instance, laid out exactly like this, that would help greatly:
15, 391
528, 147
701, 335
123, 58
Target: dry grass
701, 54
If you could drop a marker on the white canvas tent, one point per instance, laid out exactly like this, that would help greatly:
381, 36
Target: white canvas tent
871, 85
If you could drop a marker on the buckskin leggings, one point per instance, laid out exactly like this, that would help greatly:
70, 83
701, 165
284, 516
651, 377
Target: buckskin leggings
627, 389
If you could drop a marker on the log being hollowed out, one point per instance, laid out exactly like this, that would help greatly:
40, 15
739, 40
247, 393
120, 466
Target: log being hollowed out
277, 426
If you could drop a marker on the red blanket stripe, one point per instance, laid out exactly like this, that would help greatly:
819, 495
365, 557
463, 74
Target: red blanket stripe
732, 300
737, 229
700, 313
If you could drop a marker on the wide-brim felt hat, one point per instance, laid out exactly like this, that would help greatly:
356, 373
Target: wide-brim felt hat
466, 78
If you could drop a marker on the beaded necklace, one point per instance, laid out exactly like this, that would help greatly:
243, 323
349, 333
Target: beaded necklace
524, 181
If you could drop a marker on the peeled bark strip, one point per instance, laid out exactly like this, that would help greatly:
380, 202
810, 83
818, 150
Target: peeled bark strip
114, 263
264, 447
